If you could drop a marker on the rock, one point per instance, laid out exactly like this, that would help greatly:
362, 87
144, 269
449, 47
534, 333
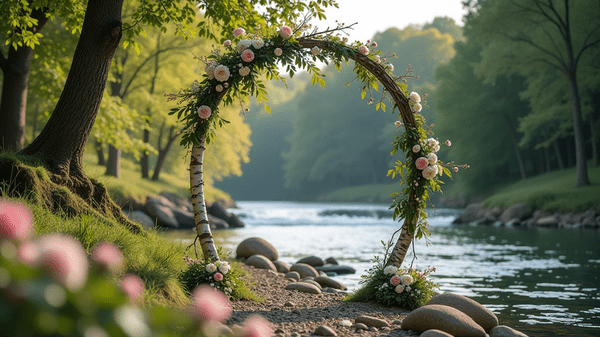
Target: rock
505, 331
282, 267
340, 270
217, 223
295, 334
303, 287
129, 204
547, 221
397, 322
325, 281
304, 270
331, 260
480, 314
373, 329
218, 210
520, 211
289, 304
141, 217
253, 246
472, 213
345, 323
312, 261
293, 275
323, 330
313, 283
178, 201
184, 218
442, 317
261, 262
371, 321
160, 208
361, 326
435, 333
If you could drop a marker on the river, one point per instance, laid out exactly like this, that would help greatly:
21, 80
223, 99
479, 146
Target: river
541, 281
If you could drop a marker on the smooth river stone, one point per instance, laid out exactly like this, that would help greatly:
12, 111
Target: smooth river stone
372, 321
435, 333
253, 246
304, 270
261, 262
505, 331
303, 287
282, 267
312, 260
323, 330
445, 318
325, 281
294, 275
480, 314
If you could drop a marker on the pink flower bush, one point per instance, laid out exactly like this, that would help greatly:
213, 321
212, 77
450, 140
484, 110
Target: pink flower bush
210, 304
256, 326
278, 51
247, 55
416, 148
421, 163
133, 286
285, 32
218, 277
204, 111
239, 31
16, 221
395, 280
64, 258
28, 253
109, 255
430, 171
363, 50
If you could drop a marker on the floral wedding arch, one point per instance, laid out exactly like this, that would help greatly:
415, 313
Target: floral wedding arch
237, 73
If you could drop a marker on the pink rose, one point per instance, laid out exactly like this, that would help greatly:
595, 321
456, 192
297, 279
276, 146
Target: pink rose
363, 50
256, 326
64, 258
16, 221
28, 253
210, 304
429, 172
247, 55
109, 255
448, 143
204, 111
373, 45
239, 31
422, 163
227, 43
414, 97
278, 51
416, 148
285, 32
395, 280
455, 168
390, 66
218, 277
133, 286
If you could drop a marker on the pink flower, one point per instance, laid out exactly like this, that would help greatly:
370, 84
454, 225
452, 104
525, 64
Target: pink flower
429, 172
65, 259
16, 221
28, 253
315, 50
422, 163
390, 66
227, 43
109, 255
210, 304
455, 168
399, 288
416, 148
363, 50
395, 280
204, 111
221, 73
377, 58
218, 277
432, 158
247, 55
133, 286
239, 31
373, 45
210, 70
285, 32
278, 51
448, 143
256, 326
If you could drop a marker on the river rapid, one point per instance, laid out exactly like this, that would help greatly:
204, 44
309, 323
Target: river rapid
542, 281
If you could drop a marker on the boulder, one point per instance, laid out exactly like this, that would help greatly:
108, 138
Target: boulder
218, 210
361, 326
435, 333
312, 261
260, 261
505, 331
480, 314
282, 267
313, 282
371, 321
184, 218
547, 221
303, 287
325, 281
331, 260
141, 217
253, 246
520, 211
473, 212
128, 204
160, 208
442, 317
293, 275
304, 270
339, 270
217, 223
179, 202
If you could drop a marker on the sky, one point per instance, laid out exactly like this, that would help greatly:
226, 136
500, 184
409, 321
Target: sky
374, 16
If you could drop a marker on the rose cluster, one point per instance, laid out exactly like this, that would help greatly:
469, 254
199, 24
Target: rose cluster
404, 287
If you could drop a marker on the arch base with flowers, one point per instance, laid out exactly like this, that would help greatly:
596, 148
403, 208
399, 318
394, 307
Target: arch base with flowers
237, 74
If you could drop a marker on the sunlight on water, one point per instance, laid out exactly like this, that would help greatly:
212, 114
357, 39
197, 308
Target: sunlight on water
539, 281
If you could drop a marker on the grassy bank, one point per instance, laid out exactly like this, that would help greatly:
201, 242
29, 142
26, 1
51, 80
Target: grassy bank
364, 193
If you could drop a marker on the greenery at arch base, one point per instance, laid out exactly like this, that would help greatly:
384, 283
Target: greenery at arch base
238, 71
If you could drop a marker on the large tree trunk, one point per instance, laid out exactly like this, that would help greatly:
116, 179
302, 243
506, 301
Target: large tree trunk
14, 92
561, 164
62, 141
145, 159
515, 143
163, 151
580, 153
209, 250
113, 164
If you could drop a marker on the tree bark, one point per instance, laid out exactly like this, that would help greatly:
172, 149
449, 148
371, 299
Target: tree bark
100, 152
16, 68
580, 153
113, 164
145, 159
163, 151
561, 164
62, 141
515, 143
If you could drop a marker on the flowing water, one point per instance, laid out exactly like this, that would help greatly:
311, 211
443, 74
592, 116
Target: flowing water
543, 282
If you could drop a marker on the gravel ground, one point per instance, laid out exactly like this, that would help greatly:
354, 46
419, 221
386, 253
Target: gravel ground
294, 314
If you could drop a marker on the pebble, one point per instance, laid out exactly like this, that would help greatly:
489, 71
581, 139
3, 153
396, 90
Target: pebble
295, 334
374, 329
323, 330
361, 326
397, 322
345, 323
289, 304
372, 321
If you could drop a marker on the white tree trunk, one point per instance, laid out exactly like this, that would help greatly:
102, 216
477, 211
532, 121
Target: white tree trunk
209, 250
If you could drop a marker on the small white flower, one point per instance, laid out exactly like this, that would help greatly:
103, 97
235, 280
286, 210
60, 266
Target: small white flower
315, 50
219, 88
278, 51
244, 71
417, 107
243, 45
399, 288
414, 97
390, 270
416, 148
211, 268
227, 43
257, 44
397, 123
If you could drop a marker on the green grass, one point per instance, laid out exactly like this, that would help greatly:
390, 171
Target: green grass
363, 193
553, 191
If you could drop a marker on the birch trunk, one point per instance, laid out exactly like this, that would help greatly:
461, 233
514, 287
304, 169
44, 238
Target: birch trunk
209, 250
